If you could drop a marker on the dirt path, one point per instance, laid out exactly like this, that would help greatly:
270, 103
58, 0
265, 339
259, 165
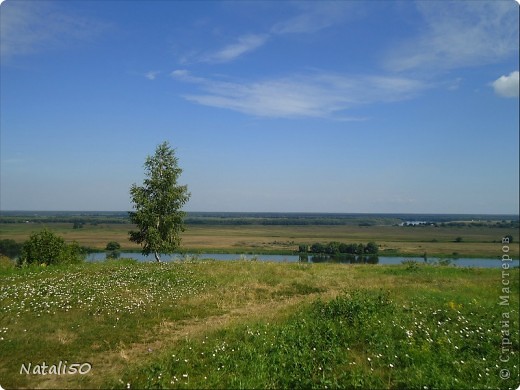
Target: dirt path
166, 334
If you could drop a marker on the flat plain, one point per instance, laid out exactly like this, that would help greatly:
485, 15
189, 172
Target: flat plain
475, 241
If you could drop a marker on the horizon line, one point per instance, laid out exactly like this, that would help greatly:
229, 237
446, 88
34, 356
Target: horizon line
270, 212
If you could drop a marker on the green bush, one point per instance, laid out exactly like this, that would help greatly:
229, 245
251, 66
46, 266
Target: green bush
113, 246
6, 263
335, 248
46, 248
113, 250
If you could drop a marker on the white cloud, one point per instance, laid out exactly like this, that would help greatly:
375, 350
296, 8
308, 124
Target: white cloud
458, 34
311, 17
244, 44
27, 27
185, 75
507, 86
314, 16
152, 75
315, 95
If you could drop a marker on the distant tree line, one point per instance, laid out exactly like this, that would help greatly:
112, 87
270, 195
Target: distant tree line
77, 222
336, 248
282, 219
277, 221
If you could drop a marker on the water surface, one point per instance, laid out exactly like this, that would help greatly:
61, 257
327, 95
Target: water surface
344, 259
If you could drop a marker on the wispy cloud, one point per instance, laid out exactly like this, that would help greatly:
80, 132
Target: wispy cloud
315, 16
27, 27
322, 94
152, 75
458, 34
309, 18
244, 44
507, 86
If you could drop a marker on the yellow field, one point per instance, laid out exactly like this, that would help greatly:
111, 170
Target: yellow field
477, 241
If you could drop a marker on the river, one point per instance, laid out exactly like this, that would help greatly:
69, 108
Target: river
382, 260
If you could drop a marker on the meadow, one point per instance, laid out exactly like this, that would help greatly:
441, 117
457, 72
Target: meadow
247, 324
477, 241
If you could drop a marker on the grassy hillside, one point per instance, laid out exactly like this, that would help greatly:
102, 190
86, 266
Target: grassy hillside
250, 324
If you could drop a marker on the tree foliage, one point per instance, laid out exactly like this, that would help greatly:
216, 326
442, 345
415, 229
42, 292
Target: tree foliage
335, 248
46, 248
158, 203
113, 249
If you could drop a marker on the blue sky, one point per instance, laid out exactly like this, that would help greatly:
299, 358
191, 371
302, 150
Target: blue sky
343, 106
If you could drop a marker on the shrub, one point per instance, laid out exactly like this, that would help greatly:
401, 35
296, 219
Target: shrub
371, 248
411, 265
113, 250
6, 263
318, 248
113, 246
46, 248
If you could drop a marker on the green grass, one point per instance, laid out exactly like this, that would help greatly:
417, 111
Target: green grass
243, 324
360, 339
67, 313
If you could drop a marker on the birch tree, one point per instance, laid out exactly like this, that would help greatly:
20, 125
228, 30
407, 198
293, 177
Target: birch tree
158, 204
